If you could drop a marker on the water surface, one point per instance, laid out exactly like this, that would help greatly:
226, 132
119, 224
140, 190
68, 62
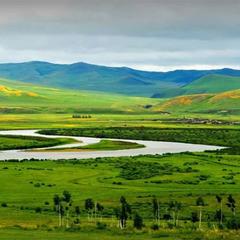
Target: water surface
151, 147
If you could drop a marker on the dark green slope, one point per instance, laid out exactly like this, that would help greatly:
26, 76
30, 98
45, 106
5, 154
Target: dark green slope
212, 84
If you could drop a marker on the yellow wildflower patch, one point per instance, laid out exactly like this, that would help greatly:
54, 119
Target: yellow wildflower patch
14, 92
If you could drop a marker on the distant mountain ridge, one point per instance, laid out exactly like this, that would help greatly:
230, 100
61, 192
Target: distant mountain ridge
123, 80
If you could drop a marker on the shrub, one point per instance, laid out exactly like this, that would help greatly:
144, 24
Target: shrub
155, 227
76, 221
233, 223
101, 225
38, 209
4, 204
138, 222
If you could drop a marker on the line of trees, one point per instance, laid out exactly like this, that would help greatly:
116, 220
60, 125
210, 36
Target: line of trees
64, 208
81, 116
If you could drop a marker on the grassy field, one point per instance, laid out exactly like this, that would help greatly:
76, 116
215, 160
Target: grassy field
26, 203
224, 103
21, 98
30, 186
22, 142
207, 84
101, 146
93, 234
39, 121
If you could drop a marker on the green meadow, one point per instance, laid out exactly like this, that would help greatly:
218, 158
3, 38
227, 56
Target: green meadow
102, 145
184, 186
25, 98
27, 207
51, 120
20, 142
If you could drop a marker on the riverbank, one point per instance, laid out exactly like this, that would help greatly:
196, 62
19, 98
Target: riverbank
151, 147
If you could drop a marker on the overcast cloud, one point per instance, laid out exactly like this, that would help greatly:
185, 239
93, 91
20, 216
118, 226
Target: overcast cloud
144, 34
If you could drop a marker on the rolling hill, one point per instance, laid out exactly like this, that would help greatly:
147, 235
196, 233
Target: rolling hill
221, 103
212, 84
121, 80
18, 97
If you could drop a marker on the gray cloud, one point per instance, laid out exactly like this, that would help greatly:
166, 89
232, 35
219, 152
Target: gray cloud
147, 34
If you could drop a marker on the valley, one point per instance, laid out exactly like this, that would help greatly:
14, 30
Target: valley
111, 149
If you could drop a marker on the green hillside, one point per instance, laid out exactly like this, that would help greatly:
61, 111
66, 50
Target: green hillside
83, 76
18, 97
116, 80
212, 84
224, 103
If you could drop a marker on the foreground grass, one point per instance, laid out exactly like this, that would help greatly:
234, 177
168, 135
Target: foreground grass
183, 177
93, 234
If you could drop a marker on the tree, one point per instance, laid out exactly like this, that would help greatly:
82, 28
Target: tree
123, 212
89, 206
67, 199
62, 213
66, 196
220, 213
57, 208
138, 221
156, 210
194, 217
178, 207
231, 204
200, 203
77, 211
61, 205
99, 209
175, 207
219, 216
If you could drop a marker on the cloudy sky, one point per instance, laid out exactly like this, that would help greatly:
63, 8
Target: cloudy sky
144, 34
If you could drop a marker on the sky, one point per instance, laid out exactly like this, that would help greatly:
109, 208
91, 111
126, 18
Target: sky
156, 35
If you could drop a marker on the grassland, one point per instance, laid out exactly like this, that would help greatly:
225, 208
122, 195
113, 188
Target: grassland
22, 98
101, 146
212, 84
23, 142
18, 97
221, 103
40, 121
28, 187
31, 185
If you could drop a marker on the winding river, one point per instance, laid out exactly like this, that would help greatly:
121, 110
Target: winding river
151, 147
